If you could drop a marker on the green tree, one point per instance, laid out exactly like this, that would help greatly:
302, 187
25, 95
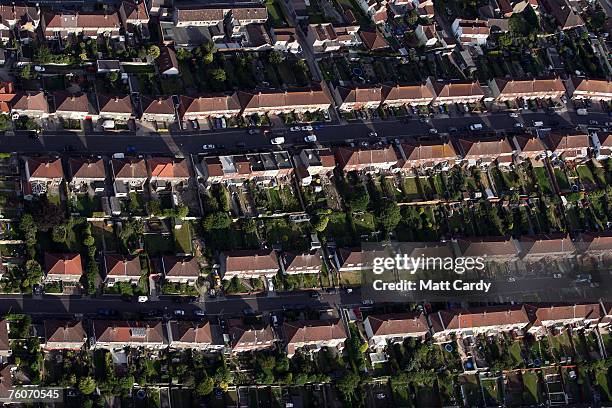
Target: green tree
320, 222
113, 76
388, 215
275, 58
347, 385
218, 74
205, 386
59, 233
153, 51
89, 241
217, 220
87, 385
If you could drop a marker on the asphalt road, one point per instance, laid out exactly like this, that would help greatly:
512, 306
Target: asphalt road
57, 305
189, 143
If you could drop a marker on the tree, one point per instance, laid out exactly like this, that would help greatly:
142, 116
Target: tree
205, 386
153, 51
183, 54
87, 385
218, 74
89, 241
320, 222
182, 211
275, 58
348, 384
388, 215
216, 220
249, 225
113, 76
59, 233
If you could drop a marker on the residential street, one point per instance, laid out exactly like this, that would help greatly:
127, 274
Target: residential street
186, 143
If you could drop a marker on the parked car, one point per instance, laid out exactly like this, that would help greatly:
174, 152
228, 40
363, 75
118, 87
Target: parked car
277, 140
307, 128
208, 147
143, 299
295, 129
373, 134
199, 313
179, 312
514, 115
476, 126
253, 131
107, 312
310, 139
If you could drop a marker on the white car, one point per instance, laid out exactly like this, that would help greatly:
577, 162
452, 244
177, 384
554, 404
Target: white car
179, 312
277, 140
38, 68
514, 115
142, 299
310, 139
373, 134
433, 131
307, 128
367, 302
519, 125
208, 146
295, 129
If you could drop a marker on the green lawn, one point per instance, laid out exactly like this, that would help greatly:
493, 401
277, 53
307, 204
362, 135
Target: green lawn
469, 385
542, 180
410, 189
364, 223
275, 14
561, 345
182, 239
562, 180
492, 391
515, 353
585, 174
530, 382
157, 244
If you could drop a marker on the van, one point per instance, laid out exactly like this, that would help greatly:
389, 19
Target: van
118, 156
538, 123
476, 126
581, 112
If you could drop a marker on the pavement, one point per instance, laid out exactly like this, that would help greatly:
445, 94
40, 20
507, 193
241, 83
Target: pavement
61, 305
335, 133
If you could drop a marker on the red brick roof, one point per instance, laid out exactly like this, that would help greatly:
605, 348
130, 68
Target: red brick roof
191, 332
310, 331
250, 260
64, 331
45, 168
181, 266
123, 332
168, 167
398, 324
91, 168
568, 312
347, 157
63, 264
129, 168
486, 316
119, 265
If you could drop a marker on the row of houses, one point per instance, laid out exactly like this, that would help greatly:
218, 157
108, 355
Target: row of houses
181, 334
67, 268
312, 335
82, 106
89, 173
503, 249
410, 155
518, 319
474, 150
267, 262
439, 92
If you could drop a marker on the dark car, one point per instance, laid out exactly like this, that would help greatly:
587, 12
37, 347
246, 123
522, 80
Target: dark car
248, 312
130, 149
240, 144
69, 148
315, 295
107, 312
